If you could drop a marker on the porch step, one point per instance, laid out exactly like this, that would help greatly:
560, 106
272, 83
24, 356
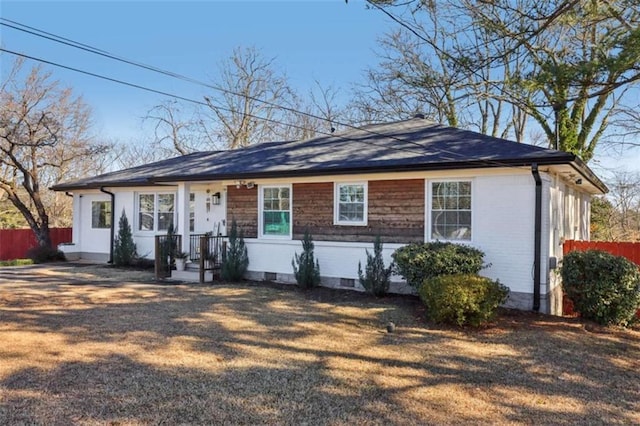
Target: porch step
191, 275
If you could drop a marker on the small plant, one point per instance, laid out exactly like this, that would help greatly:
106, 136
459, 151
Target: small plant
376, 278
41, 254
417, 262
171, 243
462, 299
181, 255
124, 249
603, 287
236, 262
306, 269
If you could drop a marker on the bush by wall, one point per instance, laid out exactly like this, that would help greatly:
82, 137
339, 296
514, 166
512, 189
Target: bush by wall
306, 268
376, 278
41, 254
462, 299
417, 262
124, 249
236, 261
603, 287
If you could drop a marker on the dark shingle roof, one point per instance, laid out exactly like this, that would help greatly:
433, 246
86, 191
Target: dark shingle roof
414, 144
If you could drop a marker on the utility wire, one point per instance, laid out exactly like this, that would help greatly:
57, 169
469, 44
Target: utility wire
72, 43
163, 93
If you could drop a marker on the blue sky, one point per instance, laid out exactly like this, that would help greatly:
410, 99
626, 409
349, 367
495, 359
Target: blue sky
329, 41
325, 40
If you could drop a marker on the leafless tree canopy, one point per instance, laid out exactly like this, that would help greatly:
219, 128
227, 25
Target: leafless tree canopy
44, 138
563, 65
255, 103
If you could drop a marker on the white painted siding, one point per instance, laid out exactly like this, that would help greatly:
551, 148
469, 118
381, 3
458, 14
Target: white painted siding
570, 215
502, 225
89, 240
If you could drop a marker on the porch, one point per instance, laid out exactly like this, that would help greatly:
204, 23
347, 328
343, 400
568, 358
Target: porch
203, 260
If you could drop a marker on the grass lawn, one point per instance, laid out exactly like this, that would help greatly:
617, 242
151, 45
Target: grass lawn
85, 346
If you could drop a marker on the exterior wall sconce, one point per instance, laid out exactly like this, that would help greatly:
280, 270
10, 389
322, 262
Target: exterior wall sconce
248, 185
215, 199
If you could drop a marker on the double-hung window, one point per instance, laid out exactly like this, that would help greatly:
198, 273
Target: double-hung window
155, 211
350, 205
451, 210
100, 214
275, 211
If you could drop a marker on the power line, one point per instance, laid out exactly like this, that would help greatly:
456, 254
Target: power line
163, 93
72, 43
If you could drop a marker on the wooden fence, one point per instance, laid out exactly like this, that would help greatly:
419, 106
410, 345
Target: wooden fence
14, 243
629, 250
625, 249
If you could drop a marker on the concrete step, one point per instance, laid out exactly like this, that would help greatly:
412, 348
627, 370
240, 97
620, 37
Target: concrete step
191, 275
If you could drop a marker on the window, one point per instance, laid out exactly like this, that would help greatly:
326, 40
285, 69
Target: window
351, 204
100, 214
192, 212
155, 211
275, 211
451, 210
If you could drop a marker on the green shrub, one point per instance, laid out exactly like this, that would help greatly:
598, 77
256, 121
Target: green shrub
417, 262
376, 278
236, 261
462, 299
305, 268
41, 254
124, 249
603, 287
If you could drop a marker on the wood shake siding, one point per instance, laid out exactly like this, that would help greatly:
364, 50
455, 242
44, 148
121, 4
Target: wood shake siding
396, 212
242, 205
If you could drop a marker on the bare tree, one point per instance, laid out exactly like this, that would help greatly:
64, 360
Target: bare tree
176, 129
44, 136
255, 103
561, 64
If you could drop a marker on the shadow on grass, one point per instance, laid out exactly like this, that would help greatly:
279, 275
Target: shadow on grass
263, 355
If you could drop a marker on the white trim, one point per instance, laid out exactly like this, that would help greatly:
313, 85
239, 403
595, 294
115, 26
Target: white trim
336, 204
136, 211
428, 203
261, 235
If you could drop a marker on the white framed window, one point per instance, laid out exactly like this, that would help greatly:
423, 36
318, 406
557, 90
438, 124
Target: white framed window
450, 210
156, 211
274, 207
350, 203
101, 214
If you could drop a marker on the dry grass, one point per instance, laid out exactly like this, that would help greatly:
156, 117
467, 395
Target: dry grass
134, 353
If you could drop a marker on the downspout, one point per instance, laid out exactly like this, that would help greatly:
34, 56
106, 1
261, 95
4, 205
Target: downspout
537, 241
113, 221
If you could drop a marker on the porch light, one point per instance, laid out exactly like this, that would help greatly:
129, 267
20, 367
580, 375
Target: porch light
215, 199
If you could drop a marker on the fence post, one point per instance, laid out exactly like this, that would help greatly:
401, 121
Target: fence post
204, 243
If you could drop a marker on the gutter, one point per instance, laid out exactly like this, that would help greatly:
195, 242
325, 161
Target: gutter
537, 244
113, 221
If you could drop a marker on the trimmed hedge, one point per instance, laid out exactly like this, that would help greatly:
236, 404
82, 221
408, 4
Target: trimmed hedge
603, 287
462, 299
417, 262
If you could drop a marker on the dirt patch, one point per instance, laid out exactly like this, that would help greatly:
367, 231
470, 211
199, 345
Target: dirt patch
124, 352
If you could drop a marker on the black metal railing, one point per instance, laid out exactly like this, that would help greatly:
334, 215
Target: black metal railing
205, 250
212, 252
212, 247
